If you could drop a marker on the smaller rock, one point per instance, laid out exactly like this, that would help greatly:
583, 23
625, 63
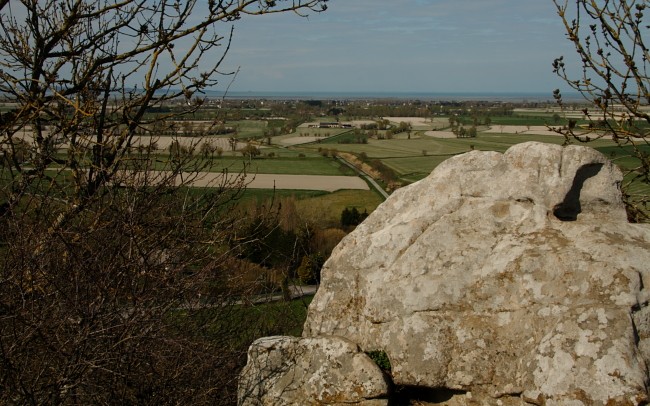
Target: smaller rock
323, 370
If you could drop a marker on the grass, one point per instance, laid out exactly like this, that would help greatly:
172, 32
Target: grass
238, 325
414, 159
404, 148
343, 136
267, 319
315, 132
248, 128
622, 156
323, 208
388, 148
262, 195
289, 163
636, 188
412, 169
525, 120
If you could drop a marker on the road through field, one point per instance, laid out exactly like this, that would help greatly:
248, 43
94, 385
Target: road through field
365, 176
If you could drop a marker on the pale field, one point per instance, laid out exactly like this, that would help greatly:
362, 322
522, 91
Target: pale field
410, 120
300, 140
577, 113
507, 129
355, 123
162, 143
421, 123
440, 134
266, 181
520, 129
536, 130
307, 182
359, 123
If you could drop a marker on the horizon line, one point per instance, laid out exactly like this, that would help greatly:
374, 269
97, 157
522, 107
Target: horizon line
392, 94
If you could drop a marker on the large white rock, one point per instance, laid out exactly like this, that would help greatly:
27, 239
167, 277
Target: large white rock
508, 277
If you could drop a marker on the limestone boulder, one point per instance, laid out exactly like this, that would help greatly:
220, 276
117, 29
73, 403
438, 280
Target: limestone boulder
310, 371
509, 278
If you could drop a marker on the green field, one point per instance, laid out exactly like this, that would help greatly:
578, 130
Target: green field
412, 169
411, 159
315, 132
415, 158
402, 148
249, 128
536, 119
256, 320
266, 195
623, 158
319, 207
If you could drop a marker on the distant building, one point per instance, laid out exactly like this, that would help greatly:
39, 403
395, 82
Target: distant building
334, 125
328, 125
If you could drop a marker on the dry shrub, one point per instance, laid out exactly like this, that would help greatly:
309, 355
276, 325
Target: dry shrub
324, 241
247, 278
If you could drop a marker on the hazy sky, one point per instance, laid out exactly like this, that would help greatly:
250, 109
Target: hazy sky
402, 45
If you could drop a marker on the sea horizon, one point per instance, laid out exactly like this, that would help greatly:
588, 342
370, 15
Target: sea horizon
378, 95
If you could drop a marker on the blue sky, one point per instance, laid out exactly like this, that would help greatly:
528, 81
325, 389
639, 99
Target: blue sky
402, 46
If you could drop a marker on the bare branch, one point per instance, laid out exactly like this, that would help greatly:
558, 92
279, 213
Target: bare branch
610, 42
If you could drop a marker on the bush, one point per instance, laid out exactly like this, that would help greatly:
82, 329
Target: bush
309, 269
352, 217
250, 151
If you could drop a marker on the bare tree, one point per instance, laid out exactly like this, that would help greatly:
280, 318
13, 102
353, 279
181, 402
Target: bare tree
610, 39
109, 260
